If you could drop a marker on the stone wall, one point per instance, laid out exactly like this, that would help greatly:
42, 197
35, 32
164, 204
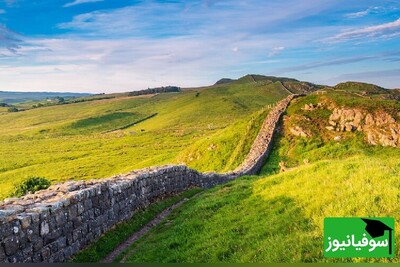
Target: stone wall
54, 224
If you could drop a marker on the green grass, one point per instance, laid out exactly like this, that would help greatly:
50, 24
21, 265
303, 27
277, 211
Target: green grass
226, 149
276, 218
107, 122
65, 142
98, 250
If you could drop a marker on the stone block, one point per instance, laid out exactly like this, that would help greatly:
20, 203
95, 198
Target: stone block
37, 243
11, 245
44, 228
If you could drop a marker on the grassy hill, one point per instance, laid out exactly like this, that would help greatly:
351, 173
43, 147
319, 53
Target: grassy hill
278, 216
273, 217
83, 141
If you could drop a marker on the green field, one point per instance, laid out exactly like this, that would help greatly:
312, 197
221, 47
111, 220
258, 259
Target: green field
278, 217
273, 217
80, 141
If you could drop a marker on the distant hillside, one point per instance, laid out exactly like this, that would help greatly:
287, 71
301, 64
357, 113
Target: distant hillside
361, 87
257, 78
290, 85
368, 90
224, 81
18, 97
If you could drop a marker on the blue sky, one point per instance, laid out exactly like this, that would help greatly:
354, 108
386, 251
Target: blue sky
121, 45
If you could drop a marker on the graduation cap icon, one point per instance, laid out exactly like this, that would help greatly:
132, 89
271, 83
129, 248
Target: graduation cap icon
376, 228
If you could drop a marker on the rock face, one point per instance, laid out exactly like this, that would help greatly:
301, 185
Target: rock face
54, 224
380, 127
298, 131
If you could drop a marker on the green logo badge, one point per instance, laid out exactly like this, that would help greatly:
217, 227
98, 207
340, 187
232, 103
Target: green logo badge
359, 237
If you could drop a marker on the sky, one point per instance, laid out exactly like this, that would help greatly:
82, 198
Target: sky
108, 46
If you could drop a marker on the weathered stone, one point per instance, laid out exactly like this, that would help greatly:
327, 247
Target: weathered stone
44, 228
27, 253
45, 253
298, 131
11, 245
380, 127
52, 236
53, 247
2, 253
37, 243
37, 257
25, 221
349, 127
73, 211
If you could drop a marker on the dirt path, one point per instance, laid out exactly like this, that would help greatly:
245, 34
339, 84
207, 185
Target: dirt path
145, 229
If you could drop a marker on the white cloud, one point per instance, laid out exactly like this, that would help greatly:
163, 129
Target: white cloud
362, 13
358, 14
78, 2
152, 44
276, 50
174, 18
117, 65
386, 30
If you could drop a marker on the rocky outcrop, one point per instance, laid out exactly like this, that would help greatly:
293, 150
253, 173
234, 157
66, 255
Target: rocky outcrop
298, 131
54, 224
311, 107
379, 127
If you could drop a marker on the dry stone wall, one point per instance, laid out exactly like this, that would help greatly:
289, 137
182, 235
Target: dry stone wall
54, 224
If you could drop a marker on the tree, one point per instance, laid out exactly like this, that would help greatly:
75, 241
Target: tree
60, 99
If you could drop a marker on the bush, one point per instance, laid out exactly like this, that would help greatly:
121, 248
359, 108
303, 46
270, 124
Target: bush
13, 109
30, 185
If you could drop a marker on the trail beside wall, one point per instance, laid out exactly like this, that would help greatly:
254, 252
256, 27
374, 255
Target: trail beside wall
54, 224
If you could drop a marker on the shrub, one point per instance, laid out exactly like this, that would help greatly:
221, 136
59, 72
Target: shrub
13, 109
30, 185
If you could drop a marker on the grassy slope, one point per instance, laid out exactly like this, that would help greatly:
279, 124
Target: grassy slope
279, 217
63, 142
275, 219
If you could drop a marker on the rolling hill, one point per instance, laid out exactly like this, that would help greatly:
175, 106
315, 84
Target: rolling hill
278, 215
100, 138
335, 154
